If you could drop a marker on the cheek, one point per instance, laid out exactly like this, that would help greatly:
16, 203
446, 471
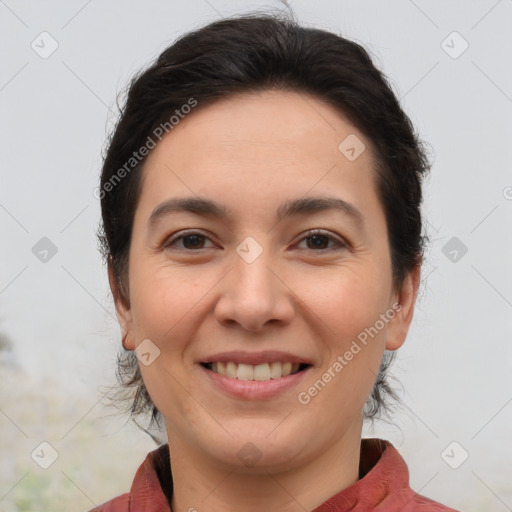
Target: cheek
348, 299
349, 304
165, 300
354, 351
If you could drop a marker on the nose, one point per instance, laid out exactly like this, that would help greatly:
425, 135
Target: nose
253, 294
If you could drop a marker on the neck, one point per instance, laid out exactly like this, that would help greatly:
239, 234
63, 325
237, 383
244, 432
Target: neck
200, 485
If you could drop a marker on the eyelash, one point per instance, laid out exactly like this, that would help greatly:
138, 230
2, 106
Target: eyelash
314, 232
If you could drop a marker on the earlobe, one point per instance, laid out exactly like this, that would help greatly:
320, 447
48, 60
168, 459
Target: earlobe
398, 327
127, 343
123, 311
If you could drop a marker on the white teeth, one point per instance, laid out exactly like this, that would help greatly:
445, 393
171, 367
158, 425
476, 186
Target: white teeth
245, 372
262, 372
221, 368
287, 369
275, 370
259, 372
230, 370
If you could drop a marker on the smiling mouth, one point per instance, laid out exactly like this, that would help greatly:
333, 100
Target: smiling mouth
259, 372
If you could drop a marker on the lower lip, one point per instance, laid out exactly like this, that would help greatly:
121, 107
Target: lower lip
254, 389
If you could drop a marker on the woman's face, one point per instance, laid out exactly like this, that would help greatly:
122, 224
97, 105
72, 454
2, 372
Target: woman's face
254, 285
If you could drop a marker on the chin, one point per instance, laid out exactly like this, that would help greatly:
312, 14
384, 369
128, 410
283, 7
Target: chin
254, 450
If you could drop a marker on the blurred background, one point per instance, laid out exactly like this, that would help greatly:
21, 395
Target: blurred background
63, 63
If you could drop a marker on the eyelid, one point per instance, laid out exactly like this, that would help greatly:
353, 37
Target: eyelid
181, 234
341, 242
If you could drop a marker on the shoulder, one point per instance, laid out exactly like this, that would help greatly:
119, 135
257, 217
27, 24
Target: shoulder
391, 475
422, 504
119, 504
151, 488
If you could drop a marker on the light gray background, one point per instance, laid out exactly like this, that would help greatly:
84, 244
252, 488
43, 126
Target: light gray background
455, 367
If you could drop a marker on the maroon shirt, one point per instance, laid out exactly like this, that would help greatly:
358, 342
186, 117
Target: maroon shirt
383, 486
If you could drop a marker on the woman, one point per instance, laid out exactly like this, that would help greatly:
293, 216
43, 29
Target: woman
261, 222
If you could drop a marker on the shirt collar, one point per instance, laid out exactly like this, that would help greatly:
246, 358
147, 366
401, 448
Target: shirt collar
383, 475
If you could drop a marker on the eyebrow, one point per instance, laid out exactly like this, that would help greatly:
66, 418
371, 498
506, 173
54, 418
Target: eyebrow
290, 208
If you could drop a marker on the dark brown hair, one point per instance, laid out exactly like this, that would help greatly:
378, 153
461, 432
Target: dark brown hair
245, 54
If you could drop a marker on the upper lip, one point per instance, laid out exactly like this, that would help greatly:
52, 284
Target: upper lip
255, 358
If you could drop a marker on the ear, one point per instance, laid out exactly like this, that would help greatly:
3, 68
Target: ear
123, 310
398, 326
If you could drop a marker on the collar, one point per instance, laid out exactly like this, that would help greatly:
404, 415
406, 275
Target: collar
383, 485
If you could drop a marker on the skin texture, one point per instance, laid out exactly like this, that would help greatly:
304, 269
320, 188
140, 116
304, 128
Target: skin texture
252, 152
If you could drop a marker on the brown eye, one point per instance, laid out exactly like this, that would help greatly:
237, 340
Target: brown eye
318, 241
190, 241
195, 241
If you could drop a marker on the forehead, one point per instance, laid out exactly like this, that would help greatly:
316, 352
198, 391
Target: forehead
254, 150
